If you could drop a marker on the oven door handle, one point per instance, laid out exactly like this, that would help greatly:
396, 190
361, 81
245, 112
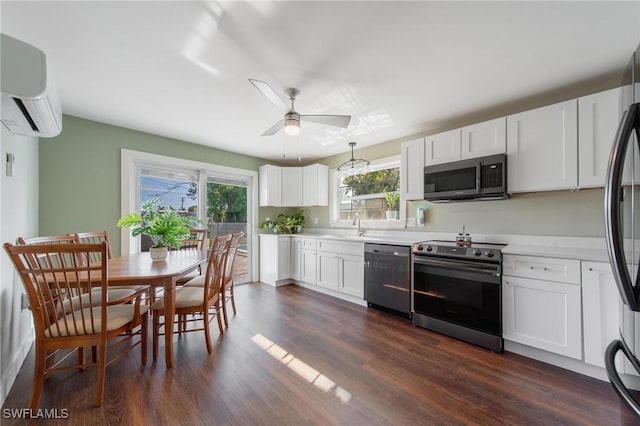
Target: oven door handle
460, 266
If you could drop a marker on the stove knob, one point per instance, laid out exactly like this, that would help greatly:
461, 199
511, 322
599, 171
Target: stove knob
477, 252
429, 248
488, 253
420, 248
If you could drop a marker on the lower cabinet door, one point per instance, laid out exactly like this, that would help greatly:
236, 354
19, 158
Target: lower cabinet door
601, 311
296, 248
543, 314
352, 275
328, 270
308, 266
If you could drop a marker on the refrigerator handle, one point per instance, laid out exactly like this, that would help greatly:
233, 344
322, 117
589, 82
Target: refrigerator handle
612, 211
614, 378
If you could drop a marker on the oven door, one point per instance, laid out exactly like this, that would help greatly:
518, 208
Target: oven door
461, 292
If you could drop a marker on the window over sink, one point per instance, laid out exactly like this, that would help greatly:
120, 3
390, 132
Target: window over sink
360, 193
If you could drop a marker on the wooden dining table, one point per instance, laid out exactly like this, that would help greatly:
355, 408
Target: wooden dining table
138, 269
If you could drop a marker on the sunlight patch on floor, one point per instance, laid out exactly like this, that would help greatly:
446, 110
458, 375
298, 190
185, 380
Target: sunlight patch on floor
302, 369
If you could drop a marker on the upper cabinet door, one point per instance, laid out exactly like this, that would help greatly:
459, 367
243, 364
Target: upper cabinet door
487, 138
442, 147
542, 148
270, 185
291, 186
316, 185
598, 115
412, 170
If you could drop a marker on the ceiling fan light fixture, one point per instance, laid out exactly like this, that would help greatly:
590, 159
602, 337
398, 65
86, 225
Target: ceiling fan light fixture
292, 124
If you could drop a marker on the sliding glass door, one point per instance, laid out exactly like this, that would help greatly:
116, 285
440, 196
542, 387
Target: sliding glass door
221, 200
228, 212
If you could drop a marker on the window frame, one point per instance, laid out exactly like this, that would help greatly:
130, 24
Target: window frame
131, 162
379, 164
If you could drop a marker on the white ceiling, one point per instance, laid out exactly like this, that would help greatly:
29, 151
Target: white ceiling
180, 69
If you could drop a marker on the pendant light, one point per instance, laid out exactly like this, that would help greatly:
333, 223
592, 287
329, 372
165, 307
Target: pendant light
354, 161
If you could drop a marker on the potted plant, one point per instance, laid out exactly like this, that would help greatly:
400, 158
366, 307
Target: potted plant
294, 222
393, 199
164, 226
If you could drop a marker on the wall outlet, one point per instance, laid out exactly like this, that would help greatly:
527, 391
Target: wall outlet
411, 222
315, 220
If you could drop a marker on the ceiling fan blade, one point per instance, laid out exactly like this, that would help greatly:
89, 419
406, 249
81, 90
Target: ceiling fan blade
270, 94
274, 129
329, 120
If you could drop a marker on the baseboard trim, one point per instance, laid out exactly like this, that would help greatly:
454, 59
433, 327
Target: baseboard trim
14, 368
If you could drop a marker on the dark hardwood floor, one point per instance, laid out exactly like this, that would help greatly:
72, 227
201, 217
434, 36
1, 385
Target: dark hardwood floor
294, 356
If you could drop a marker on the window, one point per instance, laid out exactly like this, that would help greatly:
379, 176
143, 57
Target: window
362, 191
222, 197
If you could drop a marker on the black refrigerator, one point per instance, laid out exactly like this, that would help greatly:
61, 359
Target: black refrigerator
622, 226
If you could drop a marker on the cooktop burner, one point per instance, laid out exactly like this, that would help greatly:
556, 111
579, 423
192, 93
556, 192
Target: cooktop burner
475, 251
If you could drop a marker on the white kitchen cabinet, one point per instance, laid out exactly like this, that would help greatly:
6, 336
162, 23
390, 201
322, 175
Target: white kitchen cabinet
486, 138
412, 170
270, 183
292, 186
341, 266
315, 181
275, 258
600, 311
442, 147
308, 266
296, 248
542, 314
541, 303
542, 148
328, 270
351, 280
598, 118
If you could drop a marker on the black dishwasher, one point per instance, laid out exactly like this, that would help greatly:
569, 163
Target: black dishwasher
387, 277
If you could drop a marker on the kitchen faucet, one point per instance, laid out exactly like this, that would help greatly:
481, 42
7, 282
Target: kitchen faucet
356, 216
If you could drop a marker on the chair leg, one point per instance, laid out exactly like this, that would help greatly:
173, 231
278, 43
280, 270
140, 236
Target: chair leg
207, 334
224, 309
217, 306
102, 361
156, 325
94, 354
38, 376
144, 337
81, 365
233, 299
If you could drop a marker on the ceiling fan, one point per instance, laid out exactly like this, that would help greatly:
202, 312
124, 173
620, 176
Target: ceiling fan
291, 120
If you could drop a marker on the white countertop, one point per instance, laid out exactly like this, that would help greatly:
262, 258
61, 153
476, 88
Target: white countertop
580, 248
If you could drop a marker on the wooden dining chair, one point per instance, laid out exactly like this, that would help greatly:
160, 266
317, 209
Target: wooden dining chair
196, 300
226, 293
114, 295
53, 275
103, 236
196, 241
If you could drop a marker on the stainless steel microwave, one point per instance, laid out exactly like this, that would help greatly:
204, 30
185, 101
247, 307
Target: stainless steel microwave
482, 178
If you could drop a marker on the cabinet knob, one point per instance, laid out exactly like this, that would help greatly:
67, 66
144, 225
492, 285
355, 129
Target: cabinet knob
531, 267
506, 282
591, 269
544, 268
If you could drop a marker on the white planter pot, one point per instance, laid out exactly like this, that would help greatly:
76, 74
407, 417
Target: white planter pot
392, 215
158, 254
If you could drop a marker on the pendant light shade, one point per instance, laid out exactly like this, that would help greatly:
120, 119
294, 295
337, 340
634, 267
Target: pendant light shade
354, 162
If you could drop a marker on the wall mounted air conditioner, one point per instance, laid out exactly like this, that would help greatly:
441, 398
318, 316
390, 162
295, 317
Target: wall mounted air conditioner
30, 103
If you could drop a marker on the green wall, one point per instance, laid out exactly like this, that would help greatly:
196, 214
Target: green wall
80, 173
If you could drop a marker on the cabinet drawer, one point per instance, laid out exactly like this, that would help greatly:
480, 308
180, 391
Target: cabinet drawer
542, 268
341, 247
309, 243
